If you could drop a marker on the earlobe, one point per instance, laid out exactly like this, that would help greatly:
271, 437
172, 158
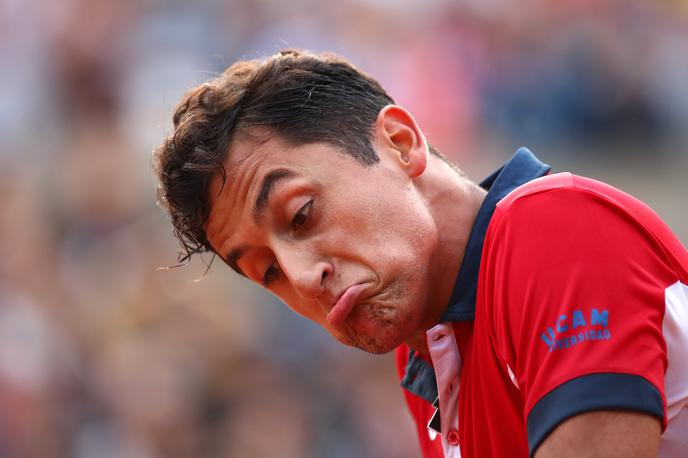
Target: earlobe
399, 135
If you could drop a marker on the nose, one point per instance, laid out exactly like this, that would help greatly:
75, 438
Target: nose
305, 270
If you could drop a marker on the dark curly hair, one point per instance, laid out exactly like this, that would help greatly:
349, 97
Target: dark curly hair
299, 96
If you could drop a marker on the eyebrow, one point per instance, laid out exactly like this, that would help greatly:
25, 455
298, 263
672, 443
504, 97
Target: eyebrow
233, 257
266, 188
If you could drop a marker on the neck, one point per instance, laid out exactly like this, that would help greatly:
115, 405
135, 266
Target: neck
454, 202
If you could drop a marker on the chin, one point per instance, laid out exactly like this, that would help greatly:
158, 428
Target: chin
376, 328
377, 348
377, 341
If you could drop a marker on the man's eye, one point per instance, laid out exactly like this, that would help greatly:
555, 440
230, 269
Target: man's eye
270, 274
301, 216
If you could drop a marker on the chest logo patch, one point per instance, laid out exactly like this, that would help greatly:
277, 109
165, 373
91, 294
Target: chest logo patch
577, 328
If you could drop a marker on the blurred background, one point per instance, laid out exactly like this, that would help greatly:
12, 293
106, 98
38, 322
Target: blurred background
102, 355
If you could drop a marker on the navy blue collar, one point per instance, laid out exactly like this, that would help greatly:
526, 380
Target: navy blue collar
521, 168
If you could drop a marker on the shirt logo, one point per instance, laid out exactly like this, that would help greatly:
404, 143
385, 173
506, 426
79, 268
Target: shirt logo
573, 329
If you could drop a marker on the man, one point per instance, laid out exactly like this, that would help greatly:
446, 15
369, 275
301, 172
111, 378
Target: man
543, 314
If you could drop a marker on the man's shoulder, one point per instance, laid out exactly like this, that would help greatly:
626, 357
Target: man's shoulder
564, 209
572, 185
555, 196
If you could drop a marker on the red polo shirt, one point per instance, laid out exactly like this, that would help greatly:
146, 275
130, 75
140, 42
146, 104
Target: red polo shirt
571, 298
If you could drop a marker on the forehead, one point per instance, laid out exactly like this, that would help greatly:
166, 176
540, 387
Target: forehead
250, 159
253, 155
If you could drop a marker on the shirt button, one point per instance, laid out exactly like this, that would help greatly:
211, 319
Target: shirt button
453, 437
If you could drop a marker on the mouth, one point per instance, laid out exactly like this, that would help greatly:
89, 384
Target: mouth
345, 304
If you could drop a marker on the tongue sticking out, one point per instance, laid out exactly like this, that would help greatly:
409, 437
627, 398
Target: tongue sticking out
344, 305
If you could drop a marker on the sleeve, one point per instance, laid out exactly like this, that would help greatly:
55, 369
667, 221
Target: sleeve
578, 288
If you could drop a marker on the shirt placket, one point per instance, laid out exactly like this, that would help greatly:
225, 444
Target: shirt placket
446, 361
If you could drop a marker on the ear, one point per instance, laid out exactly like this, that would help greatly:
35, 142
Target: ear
398, 134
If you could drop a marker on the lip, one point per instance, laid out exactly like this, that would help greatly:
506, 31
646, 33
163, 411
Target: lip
345, 303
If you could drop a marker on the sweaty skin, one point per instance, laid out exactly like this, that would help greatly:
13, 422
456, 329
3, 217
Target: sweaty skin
374, 248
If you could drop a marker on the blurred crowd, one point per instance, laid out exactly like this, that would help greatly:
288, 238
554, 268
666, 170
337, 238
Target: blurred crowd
103, 354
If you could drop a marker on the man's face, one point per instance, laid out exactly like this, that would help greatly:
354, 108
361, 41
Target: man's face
346, 245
